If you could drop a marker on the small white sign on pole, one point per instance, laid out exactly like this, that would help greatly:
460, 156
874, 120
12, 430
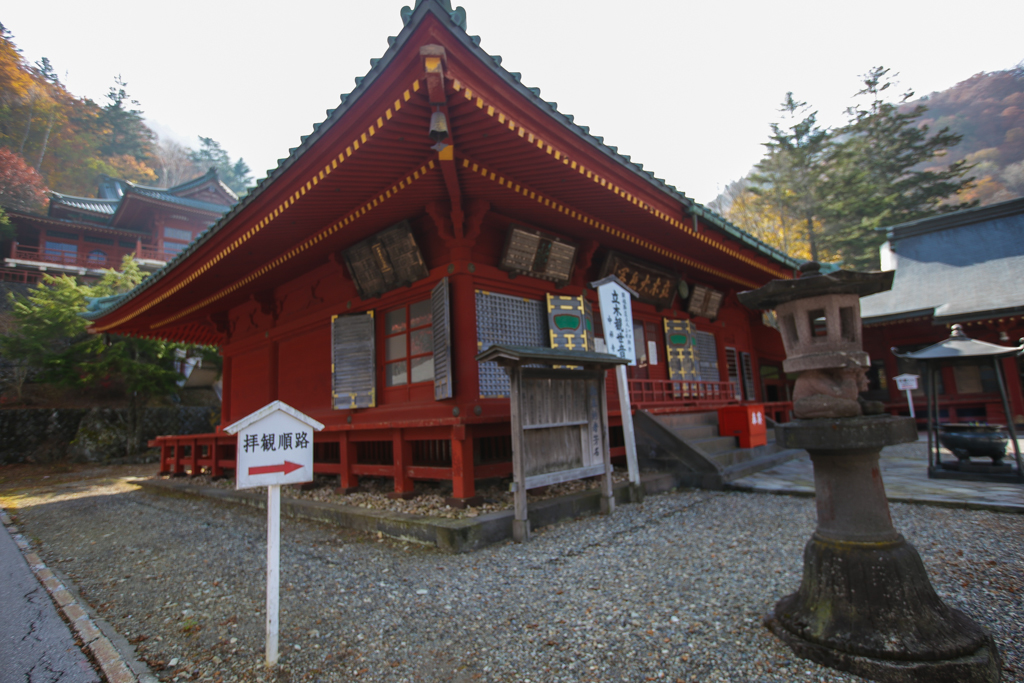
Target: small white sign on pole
617, 317
616, 302
275, 447
908, 383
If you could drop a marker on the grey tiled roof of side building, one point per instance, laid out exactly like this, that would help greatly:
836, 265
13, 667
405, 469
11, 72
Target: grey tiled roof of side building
958, 266
164, 196
105, 206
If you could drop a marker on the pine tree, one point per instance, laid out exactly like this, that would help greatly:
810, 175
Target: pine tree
870, 176
788, 178
235, 175
125, 132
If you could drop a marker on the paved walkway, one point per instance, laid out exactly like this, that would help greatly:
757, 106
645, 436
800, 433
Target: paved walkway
35, 644
905, 471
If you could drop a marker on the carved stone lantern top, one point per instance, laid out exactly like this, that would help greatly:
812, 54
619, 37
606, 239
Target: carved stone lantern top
819, 318
819, 315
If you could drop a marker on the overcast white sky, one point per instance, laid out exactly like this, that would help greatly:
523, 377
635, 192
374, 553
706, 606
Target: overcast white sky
686, 88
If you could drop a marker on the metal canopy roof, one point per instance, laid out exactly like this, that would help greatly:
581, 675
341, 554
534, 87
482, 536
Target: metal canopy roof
959, 345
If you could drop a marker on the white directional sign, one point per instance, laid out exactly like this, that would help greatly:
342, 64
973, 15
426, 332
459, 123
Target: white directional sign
275, 447
906, 381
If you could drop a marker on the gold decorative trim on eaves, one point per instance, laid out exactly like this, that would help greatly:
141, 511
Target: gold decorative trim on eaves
601, 225
275, 213
559, 155
303, 246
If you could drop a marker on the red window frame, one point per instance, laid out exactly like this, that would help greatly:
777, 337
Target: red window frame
407, 336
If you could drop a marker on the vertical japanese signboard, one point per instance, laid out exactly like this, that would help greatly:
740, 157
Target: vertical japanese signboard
616, 305
616, 302
275, 447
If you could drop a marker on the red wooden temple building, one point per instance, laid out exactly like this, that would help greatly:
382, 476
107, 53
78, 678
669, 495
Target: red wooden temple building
442, 207
80, 236
959, 268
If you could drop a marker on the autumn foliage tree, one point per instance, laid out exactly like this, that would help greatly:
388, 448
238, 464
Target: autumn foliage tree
21, 187
70, 141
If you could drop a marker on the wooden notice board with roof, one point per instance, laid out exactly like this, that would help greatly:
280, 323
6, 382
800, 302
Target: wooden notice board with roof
559, 420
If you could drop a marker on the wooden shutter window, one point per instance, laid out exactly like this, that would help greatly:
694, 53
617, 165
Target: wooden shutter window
354, 367
708, 352
442, 341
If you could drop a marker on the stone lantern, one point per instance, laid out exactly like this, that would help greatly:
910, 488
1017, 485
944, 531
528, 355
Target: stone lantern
865, 604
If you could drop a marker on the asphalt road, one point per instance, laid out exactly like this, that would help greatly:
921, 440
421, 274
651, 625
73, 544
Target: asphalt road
35, 643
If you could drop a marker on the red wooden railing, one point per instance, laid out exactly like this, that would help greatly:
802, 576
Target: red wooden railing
153, 255
780, 411
28, 277
24, 253
667, 393
78, 260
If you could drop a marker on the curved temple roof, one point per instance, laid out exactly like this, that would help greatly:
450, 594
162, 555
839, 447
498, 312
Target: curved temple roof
456, 22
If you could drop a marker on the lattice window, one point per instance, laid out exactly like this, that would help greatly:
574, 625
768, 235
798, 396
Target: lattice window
708, 352
503, 319
748, 375
732, 368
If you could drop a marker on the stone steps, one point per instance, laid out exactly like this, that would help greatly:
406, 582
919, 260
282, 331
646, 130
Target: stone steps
689, 446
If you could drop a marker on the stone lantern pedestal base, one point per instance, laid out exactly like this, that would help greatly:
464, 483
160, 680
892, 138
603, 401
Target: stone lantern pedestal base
865, 604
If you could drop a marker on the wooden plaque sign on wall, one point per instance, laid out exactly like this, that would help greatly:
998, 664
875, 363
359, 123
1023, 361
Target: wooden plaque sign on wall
653, 285
570, 322
531, 252
704, 302
386, 261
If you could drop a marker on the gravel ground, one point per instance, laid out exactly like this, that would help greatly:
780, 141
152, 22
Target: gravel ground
673, 589
431, 496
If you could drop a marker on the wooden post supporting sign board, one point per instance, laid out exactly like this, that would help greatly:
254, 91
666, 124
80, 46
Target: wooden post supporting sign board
616, 302
559, 421
275, 447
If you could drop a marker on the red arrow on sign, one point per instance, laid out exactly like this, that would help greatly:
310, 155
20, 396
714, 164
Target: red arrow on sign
286, 468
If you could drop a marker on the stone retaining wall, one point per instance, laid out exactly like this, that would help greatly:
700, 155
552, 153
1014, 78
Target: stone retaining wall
90, 435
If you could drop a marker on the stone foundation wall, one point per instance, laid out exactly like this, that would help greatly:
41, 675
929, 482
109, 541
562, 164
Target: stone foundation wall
94, 435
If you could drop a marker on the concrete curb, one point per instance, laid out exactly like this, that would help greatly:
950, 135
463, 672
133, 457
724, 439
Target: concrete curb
116, 661
937, 501
448, 535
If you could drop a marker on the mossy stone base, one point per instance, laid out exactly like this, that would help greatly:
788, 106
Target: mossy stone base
869, 608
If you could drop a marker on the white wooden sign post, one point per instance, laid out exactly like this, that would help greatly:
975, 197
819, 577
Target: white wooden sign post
275, 447
908, 383
615, 301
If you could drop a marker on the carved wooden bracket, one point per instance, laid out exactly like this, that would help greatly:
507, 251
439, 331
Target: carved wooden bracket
478, 208
267, 303
220, 322
584, 259
440, 213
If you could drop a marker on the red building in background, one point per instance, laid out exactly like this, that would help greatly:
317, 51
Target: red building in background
443, 207
82, 235
959, 268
